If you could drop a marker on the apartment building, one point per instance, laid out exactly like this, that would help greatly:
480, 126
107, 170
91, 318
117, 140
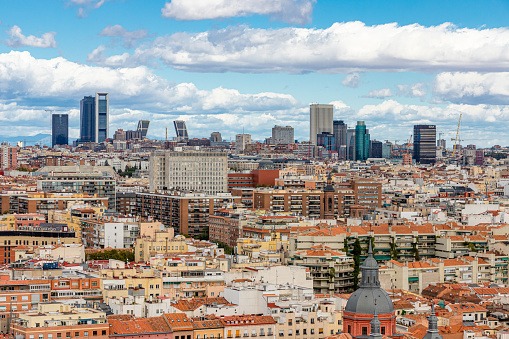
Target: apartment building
92, 184
57, 320
332, 271
162, 243
254, 326
189, 170
41, 203
187, 213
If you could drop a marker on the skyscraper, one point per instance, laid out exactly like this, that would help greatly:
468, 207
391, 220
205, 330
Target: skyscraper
320, 120
361, 141
59, 129
94, 118
181, 130
8, 156
339, 130
282, 135
143, 128
425, 136
241, 141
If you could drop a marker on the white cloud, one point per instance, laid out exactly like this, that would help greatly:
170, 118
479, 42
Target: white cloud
473, 87
17, 39
290, 11
352, 80
416, 90
85, 5
33, 82
380, 93
342, 48
129, 38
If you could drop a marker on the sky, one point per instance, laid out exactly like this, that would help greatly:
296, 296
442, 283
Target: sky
247, 65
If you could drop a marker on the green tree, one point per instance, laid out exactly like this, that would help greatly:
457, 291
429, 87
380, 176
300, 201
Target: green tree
415, 251
356, 252
106, 163
345, 246
122, 255
394, 250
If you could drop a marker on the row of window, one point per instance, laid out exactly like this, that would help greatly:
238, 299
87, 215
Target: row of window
68, 335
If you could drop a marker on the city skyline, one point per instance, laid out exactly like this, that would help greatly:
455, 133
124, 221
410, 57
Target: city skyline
259, 67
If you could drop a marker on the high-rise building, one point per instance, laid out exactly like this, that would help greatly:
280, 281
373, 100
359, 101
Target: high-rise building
350, 143
282, 135
241, 141
181, 131
189, 170
143, 128
320, 120
361, 141
339, 129
326, 140
386, 150
441, 143
376, 149
59, 129
94, 118
8, 156
425, 137
216, 137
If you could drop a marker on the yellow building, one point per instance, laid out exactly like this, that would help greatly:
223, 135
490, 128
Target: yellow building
74, 217
162, 243
253, 248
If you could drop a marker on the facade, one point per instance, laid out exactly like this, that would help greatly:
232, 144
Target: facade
8, 157
282, 135
189, 170
350, 143
57, 320
241, 142
94, 118
425, 144
59, 129
361, 142
339, 130
326, 140
143, 128
376, 149
186, 213
93, 184
320, 120
216, 137
181, 131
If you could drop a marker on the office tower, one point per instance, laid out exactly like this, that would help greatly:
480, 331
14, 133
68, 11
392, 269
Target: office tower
143, 128
215, 137
241, 141
350, 143
282, 135
425, 137
320, 120
339, 129
59, 129
326, 140
8, 157
181, 131
386, 150
441, 143
479, 157
376, 149
361, 141
189, 170
94, 118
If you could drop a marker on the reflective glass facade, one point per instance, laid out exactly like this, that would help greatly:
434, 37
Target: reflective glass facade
59, 129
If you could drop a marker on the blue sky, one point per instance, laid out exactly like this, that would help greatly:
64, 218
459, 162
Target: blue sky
225, 65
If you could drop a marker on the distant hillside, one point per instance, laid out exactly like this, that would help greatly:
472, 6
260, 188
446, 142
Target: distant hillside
44, 139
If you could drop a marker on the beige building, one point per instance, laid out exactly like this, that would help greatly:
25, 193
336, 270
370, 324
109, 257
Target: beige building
241, 141
189, 170
163, 243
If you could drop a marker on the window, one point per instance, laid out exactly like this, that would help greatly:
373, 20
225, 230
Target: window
24, 298
229, 333
14, 298
94, 333
305, 331
85, 334
312, 331
364, 331
320, 330
103, 332
290, 332
67, 334
281, 333
31, 336
382, 330
50, 336
262, 333
59, 335
76, 334
312, 320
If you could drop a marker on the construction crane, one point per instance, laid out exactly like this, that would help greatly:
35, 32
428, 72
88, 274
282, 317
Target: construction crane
457, 134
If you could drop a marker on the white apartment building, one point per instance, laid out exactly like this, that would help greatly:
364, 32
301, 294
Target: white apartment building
189, 170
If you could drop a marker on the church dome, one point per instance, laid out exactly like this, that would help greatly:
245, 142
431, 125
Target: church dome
266, 164
370, 297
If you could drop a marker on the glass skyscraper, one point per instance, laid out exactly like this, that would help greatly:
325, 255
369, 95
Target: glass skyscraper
361, 141
94, 118
425, 139
59, 129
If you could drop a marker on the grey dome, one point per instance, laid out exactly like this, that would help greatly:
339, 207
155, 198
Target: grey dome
370, 298
363, 301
